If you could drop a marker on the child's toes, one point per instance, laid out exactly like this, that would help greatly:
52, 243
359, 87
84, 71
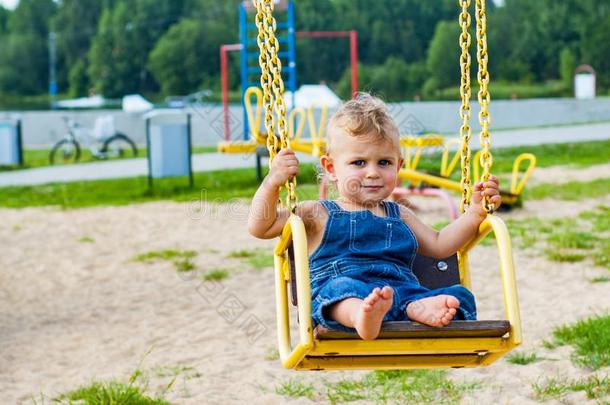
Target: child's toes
452, 311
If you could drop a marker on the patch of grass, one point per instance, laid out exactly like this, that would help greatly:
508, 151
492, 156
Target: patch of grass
295, 389
599, 217
395, 386
564, 255
86, 239
567, 239
599, 279
590, 339
106, 393
272, 354
182, 259
256, 258
522, 359
573, 190
173, 371
554, 388
242, 253
216, 274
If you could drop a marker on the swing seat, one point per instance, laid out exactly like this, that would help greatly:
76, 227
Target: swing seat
400, 345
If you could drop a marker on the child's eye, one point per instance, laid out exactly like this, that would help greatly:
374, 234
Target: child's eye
359, 162
385, 162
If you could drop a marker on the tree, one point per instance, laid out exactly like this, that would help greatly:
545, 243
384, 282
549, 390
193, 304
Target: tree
75, 24
24, 67
443, 55
181, 58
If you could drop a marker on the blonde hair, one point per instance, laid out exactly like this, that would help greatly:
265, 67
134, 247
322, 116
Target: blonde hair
364, 115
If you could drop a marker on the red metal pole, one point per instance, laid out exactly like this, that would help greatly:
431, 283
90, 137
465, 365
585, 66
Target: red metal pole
224, 78
353, 46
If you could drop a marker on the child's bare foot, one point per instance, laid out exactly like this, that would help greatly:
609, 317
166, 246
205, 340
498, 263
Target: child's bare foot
367, 320
433, 311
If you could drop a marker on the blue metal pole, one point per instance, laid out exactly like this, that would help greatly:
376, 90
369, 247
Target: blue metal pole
292, 62
243, 35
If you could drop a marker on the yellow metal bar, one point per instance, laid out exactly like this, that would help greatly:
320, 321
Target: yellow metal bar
391, 362
237, 147
293, 233
385, 347
516, 186
254, 119
507, 272
296, 136
415, 176
448, 167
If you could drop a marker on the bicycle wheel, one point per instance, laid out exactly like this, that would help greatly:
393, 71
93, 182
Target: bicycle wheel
65, 151
119, 146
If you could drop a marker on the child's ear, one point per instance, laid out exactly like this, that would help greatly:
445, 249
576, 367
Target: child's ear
327, 164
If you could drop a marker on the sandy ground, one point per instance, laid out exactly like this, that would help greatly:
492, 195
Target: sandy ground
75, 307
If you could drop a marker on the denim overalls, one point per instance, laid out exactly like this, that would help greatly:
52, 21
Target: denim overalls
360, 251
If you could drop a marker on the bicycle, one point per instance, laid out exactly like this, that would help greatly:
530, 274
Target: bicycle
114, 144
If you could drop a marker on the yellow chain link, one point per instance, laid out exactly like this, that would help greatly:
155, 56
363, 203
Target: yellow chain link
271, 80
465, 111
486, 159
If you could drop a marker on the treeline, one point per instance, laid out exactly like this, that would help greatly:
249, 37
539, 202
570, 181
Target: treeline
408, 48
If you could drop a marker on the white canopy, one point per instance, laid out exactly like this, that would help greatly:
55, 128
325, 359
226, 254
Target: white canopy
313, 95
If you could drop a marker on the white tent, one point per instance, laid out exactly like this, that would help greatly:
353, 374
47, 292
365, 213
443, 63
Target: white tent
313, 95
135, 103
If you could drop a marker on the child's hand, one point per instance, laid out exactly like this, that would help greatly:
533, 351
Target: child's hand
285, 165
490, 188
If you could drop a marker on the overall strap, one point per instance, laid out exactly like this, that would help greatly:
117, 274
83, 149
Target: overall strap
392, 209
330, 206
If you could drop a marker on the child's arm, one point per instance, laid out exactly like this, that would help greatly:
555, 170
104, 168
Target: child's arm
266, 221
455, 235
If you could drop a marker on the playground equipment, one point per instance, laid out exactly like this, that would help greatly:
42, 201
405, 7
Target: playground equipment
400, 344
249, 54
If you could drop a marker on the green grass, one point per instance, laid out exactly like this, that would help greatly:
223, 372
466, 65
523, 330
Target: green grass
522, 359
554, 388
411, 386
256, 258
295, 389
109, 393
216, 274
571, 239
181, 259
86, 239
590, 339
570, 191
272, 354
599, 279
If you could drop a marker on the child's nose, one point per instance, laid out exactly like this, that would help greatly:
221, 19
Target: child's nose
372, 173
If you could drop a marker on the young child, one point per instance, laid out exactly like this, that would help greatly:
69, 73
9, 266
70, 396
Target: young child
362, 247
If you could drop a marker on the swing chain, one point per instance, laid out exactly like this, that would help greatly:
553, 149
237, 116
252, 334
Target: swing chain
484, 97
465, 111
271, 80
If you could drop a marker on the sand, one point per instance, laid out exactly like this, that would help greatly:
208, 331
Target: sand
75, 307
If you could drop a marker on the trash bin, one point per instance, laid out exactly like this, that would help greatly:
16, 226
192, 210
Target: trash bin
169, 149
11, 148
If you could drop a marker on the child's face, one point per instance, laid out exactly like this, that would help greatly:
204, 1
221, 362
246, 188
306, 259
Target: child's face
364, 168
